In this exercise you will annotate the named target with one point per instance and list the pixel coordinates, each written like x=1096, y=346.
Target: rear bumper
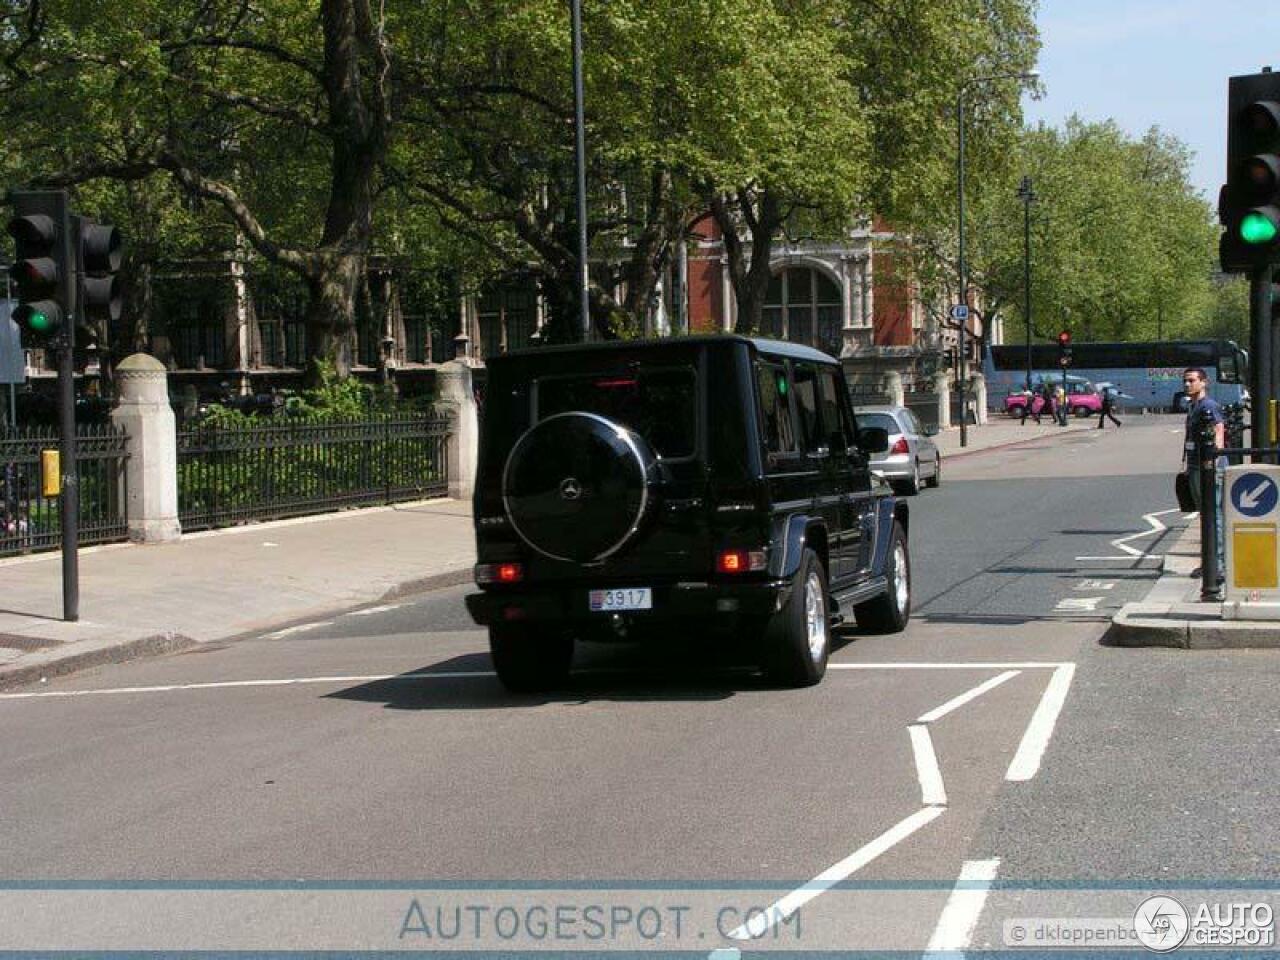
x=899, y=466
x=727, y=603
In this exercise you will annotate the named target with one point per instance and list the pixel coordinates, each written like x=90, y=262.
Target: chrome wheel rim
x=901, y=585
x=815, y=616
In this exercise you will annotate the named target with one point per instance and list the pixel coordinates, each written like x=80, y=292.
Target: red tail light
x=740, y=561
x=900, y=446
x=499, y=572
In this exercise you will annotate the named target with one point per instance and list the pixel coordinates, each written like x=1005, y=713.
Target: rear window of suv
x=659, y=404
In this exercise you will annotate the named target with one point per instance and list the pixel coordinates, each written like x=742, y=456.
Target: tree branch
x=193, y=182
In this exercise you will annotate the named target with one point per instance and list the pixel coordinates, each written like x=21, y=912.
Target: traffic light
x=1064, y=348
x=98, y=258
x=42, y=268
x=1249, y=202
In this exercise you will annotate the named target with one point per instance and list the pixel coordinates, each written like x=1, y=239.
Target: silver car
x=912, y=457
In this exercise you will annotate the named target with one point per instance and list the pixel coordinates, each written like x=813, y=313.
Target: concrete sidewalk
x=137, y=600
x=1173, y=615
x=141, y=599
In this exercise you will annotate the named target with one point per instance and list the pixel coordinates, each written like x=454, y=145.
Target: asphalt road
x=996, y=731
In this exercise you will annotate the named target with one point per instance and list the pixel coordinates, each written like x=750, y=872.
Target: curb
x=53, y=664
x=1166, y=618
x=1007, y=444
x=100, y=652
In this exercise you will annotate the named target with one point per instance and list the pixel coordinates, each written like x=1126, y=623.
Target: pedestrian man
x=1109, y=395
x=1028, y=404
x=1201, y=406
x=1047, y=408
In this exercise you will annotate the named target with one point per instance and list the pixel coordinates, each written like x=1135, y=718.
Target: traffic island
x=1172, y=614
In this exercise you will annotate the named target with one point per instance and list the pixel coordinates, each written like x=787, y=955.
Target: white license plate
x=624, y=598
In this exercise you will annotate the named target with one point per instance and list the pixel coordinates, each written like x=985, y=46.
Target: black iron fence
x=30, y=521
x=284, y=468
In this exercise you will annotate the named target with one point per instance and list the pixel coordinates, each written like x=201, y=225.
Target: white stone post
x=458, y=403
x=979, y=396
x=893, y=387
x=942, y=387
x=151, y=472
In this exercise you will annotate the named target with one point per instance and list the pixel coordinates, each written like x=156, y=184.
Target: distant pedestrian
x=1108, y=403
x=1047, y=407
x=1028, y=404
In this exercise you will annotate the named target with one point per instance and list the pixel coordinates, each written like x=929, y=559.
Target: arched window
x=804, y=306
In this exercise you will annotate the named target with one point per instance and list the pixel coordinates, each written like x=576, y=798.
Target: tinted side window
x=805, y=377
x=839, y=433
x=775, y=405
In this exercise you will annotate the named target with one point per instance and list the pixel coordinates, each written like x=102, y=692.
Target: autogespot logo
x=1161, y=923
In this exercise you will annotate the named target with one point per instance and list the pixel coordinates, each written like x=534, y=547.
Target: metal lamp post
x=1028, y=197
x=580, y=162
x=964, y=275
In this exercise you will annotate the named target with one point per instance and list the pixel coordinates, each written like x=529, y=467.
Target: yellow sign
x=50, y=473
x=1253, y=551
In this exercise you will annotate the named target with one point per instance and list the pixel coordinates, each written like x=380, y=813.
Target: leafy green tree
x=277, y=117
x=1122, y=246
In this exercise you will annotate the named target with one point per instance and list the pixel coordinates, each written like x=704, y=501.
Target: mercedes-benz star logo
x=570, y=489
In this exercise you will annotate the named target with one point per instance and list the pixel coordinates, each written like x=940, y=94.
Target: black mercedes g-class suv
x=689, y=487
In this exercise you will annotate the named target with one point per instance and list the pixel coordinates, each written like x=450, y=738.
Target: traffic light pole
x=1263, y=338
x=70, y=482
x=70, y=505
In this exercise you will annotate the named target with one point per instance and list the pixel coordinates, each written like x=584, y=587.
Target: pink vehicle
x=1083, y=400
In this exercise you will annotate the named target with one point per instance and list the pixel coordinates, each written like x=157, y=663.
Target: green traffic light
x=40, y=322
x=1257, y=228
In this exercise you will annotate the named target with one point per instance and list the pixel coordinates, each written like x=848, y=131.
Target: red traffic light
x=1064, y=338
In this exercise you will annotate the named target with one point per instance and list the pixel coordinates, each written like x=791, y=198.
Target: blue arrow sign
x=1254, y=494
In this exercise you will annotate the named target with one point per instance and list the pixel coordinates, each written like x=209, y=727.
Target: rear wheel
x=1082, y=411
x=798, y=638
x=530, y=659
x=910, y=486
x=889, y=612
x=1017, y=411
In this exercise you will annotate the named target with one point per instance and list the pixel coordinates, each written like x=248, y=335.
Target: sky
x=1145, y=63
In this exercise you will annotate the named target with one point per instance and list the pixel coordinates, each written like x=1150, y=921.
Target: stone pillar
x=942, y=387
x=144, y=413
x=458, y=403
x=979, y=383
x=893, y=387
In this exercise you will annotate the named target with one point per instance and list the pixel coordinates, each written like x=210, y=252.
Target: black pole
x=1206, y=455
x=964, y=277
x=1028, y=197
x=70, y=498
x=1262, y=342
x=580, y=161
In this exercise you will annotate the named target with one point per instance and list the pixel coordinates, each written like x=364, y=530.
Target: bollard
x=1206, y=456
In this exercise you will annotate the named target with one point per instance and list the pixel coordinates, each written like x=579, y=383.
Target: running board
x=843, y=602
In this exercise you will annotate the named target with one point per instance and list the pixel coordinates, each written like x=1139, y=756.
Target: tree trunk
x=330, y=312
x=763, y=218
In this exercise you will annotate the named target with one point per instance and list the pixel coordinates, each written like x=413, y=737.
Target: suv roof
x=783, y=348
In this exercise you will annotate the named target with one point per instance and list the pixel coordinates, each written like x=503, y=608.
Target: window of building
x=507, y=316
x=804, y=306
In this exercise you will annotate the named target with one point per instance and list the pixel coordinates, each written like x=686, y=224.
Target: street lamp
x=964, y=276
x=580, y=165
x=1028, y=197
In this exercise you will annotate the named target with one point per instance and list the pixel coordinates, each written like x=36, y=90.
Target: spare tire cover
x=577, y=486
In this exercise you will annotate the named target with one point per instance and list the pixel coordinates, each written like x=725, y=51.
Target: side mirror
x=931, y=430
x=873, y=440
